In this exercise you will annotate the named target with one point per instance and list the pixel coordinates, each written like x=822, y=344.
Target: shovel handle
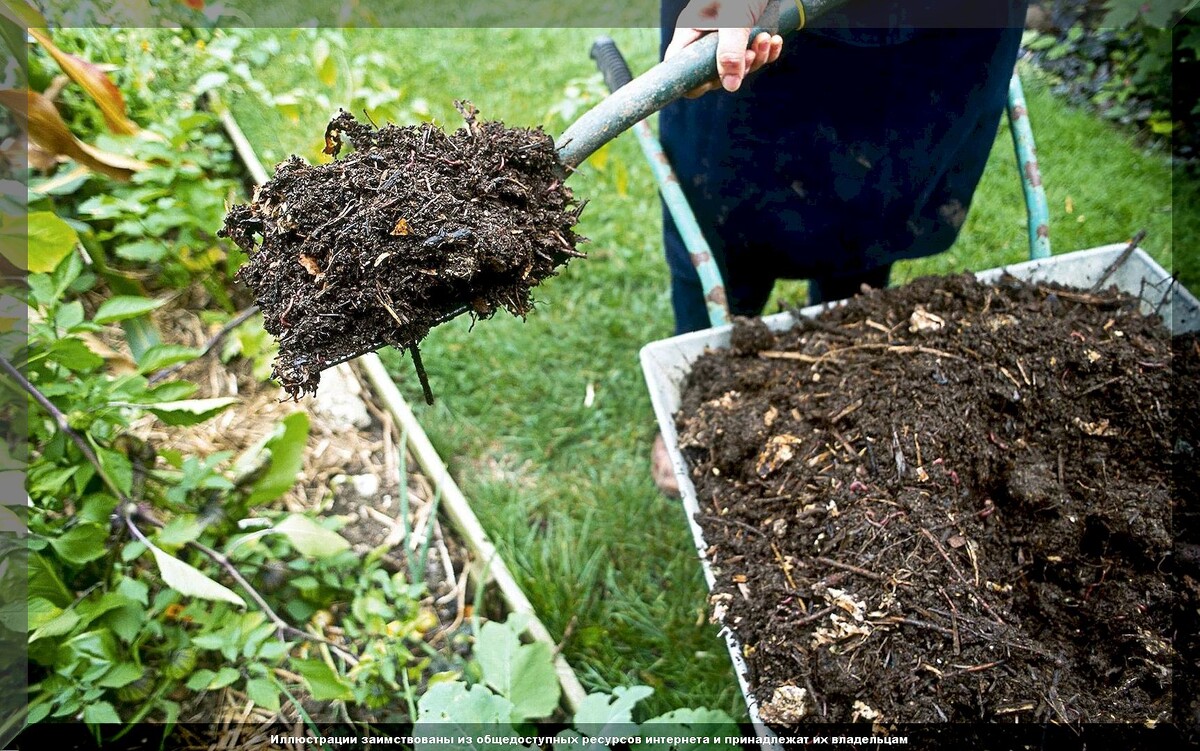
x=665, y=83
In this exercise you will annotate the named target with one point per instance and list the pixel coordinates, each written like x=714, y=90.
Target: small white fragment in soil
x=863, y=712
x=922, y=320
x=720, y=607
x=364, y=486
x=788, y=704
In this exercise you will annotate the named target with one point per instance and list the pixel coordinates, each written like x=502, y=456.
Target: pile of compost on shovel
x=410, y=229
x=952, y=502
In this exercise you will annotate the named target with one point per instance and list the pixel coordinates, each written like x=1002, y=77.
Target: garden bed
x=945, y=502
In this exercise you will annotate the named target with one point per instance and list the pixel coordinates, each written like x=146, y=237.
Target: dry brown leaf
x=310, y=265
x=96, y=84
x=40, y=120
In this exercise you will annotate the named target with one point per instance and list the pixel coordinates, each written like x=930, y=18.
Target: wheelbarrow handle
x=665, y=83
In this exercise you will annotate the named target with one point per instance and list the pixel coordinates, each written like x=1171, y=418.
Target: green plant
x=1134, y=62
x=156, y=574
x=518, y=685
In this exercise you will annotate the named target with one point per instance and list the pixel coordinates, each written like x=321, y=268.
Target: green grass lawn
x=564, y=488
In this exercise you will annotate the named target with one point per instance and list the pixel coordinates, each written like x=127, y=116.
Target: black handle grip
x=611, y=63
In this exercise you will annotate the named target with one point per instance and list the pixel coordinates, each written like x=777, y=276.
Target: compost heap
x=952, y=502
x=410, y=229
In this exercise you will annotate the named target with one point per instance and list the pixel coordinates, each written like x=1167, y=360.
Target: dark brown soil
x=951, y=502
x=412, y=228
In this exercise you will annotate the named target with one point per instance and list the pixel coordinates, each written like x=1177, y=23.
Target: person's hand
x=733, y=21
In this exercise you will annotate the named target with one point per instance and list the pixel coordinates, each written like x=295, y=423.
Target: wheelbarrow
x=666, y=363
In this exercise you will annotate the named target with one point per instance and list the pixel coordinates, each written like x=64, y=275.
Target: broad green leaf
x=125, y=306
x=224, y=677
x=690, y=723
x=83, y=543
x=50, y=240
x=122, y=674
x=74, y=355
x=144, y=251
x=135, y=590
x=522, y=673
x=179, y=531
x=41, y=611
x=166, y=355
x=310, y=538
x=45, y=582
x=172, y=391
x=287, y=455
x=323, y=683
x=126, y=621
x=59, y=625
x=453, y=709
x=264, y=693
x=100, y=713
x=95, y=606
x=190, y=411
x=603, y=715
x=117, y=468
x=199, y=680
x=605, y=709
x=190, y=581
x=140, y=335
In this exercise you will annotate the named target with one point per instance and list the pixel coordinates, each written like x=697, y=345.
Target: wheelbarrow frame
x=616, y=74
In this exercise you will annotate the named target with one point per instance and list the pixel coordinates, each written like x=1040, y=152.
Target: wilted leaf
x=191, y=581
x=96, y=84
x=37, y=117
x=310, y=538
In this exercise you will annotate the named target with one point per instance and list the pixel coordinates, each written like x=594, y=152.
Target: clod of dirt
x=955, y=502
x=413, y=227
x=750, y=336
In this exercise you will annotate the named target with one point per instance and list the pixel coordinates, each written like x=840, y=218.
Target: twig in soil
x=814, y=617
x=953, y=621
x=1121, y=259
x=961, y=577
x=849, y=567
x=771, y=354
x=733, y=522
x=784, y=567
x=916, y=623
x=208, y=347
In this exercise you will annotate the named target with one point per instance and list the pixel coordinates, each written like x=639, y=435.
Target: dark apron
x=860, y=146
